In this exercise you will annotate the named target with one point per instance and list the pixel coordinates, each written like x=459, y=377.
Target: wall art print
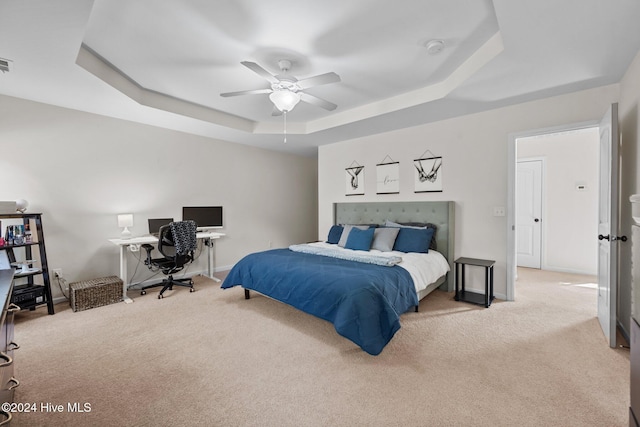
x=354, y=181
x=388, y=178
x=428, y=174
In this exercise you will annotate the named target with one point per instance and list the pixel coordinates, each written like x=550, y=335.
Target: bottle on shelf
x=27, y=233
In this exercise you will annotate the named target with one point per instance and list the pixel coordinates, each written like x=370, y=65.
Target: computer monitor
x=206, y=217
x=156, y=223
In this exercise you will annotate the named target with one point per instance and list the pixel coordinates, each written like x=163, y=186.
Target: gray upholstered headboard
x=441, y=214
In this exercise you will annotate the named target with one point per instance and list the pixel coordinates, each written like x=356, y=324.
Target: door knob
x=536, y=220
x=601, y=237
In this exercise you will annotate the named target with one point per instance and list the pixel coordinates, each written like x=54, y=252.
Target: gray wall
x=81, y=170
x=474, y=152
x=629, y=116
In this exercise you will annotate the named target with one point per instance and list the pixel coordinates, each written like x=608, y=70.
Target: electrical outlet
x=499, y=211
x=57, y=272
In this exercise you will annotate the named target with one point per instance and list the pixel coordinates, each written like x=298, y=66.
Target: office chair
x=177, y=243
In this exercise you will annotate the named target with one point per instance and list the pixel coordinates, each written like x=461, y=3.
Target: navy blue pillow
x=360, y=240
x=413, y=240
x=334, y=234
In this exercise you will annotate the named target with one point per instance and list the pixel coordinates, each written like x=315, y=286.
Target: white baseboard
x=569, y=270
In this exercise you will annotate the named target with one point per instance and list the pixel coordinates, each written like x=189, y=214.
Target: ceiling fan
x=286, y=91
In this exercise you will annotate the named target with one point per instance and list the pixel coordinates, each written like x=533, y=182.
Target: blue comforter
x=363, y=301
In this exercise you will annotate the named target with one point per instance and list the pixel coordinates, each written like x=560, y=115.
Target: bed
x=362, y=292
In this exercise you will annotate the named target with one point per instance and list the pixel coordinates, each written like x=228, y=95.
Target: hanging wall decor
x=388, y=176
x=354, y=180
x=428, y=173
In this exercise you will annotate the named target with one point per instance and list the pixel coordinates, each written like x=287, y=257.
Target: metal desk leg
x=211, y=261
x=123, y=273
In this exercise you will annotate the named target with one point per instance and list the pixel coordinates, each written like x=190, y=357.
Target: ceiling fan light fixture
x=284, y=99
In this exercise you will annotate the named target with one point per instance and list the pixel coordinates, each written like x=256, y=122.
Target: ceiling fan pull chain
x=285, y=126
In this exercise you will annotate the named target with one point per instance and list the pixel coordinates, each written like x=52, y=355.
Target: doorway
x=564, y=237
x=529, y=173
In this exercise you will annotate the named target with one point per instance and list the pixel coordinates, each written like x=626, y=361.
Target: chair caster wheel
x=143, y=292
x=160, y=296
x=191, y=290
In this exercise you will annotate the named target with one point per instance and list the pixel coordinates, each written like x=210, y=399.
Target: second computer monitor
x=206, y=217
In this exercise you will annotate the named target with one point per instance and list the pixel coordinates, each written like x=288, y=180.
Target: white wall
x=474, y=151
x=629, y=115
x=570, y=217
x=82, y=169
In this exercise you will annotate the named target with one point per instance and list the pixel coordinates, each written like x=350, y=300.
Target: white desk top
x=140, y=240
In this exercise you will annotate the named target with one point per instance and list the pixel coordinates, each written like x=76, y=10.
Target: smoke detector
x=434, y=46
x=4, y=64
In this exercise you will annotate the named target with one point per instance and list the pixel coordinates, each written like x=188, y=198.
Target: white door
x=608, y=225
x=529, y=213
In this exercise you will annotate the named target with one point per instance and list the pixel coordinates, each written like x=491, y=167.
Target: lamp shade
x=284, y=99
x=125, y=220
x=21, y=205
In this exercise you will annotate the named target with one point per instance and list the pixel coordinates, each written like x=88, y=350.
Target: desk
x=208, y=237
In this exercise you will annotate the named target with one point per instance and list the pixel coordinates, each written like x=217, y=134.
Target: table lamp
x=125, y=221
x=21, y=205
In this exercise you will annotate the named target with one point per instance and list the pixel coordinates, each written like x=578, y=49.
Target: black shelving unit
x=29, y=295
x=474, y=297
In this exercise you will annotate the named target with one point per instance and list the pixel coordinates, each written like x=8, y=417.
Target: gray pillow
x=345, y=233
x=384, y=238
x=388, y=223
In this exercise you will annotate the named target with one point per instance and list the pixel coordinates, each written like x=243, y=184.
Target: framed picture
x=428, y=174
x=388, y=178
x=354, y=181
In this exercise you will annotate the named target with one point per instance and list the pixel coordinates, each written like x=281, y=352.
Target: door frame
x=512, y=158
x=607, y=306
x=543, y=203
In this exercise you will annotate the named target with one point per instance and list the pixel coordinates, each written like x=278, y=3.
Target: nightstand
x=474, y=297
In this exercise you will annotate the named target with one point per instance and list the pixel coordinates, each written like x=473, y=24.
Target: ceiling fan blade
x=246, y=92
x=260, y=71
x=318, y=80
x=314, y=100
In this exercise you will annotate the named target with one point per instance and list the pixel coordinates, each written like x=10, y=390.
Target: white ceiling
x=166, y=63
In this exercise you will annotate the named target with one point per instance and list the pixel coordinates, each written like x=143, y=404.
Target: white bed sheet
x=423, y=268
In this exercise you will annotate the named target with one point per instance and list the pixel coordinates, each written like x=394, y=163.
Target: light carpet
x=212, y=358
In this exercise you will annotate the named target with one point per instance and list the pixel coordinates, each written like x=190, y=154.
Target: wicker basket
x=95, y=293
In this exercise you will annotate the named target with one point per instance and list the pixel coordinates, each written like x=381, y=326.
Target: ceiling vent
x=4, y=64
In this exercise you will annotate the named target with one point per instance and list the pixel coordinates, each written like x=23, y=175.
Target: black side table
x=474, y=297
